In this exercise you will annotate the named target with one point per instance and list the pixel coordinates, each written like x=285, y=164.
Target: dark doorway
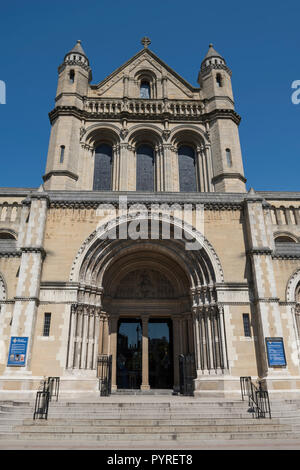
x=160, y=353
x=129, y=353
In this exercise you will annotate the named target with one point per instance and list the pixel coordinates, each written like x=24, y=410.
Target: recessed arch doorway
x=147, y=299
x=147, y=281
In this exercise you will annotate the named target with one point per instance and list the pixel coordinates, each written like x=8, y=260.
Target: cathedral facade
x=143, y=244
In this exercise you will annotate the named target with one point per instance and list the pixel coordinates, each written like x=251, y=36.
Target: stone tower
x=216, y=91
x=74, y=75
x=145, y=93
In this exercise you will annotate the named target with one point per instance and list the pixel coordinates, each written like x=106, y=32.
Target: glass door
x=129, y=353
x=160, y=353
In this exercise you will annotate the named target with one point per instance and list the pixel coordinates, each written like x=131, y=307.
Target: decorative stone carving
x=145, y=284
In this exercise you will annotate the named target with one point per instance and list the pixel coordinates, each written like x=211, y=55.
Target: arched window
x=219, y=80
x=297, y=309
x=187, y=169
x=228, y=157
x=145, y=90
x=103, y=168
x=62, y=153
x=145, y=168
x=72, y=76
x=284, y=239
x=6, y=236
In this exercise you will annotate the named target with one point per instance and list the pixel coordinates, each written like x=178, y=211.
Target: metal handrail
x=104, y=370
x=258, y=399
x=49, y=389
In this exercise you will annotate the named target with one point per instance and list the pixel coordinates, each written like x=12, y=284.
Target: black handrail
x=187, y=374
x=258, y=399
x=50, y=389
x=104, y=370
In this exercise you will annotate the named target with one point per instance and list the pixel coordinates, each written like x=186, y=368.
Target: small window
x=72, y=76
x=62, y=153
x=219, y=80
x=47, y=321
x=228, y=157
x=246, y=322
x=145, y=90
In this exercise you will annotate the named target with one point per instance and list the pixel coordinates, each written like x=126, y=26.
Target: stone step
x=148, y=429
x=147, y=422
x=155, y=437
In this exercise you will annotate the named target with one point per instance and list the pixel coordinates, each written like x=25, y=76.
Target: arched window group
x=190, y=175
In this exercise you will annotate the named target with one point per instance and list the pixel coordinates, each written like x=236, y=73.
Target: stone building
x=143, y=243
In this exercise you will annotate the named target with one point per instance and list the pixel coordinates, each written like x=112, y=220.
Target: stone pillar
x=265, y=297
x=116, y=168
x=176, y=350
x=113, y=331
x=28, y=287
x=125, y=158
x=164, y=81
x=167, y=168
x=209, y=168
x=145, y=355
x=201, y=176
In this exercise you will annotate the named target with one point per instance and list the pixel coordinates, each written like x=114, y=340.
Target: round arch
x=201, y=262
x=101, y=133
x=292, y=285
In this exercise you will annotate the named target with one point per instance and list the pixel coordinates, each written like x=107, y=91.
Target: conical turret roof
x=212, y=53
x=78, y=48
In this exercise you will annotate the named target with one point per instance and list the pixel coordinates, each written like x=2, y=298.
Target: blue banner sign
x=17, y=351
x=275, y=350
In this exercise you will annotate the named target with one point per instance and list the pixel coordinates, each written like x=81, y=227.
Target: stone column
x=71, y=344
x=201, y=178
x=113, y=330
x=145, y=355
x=176, y=350
x=209, y=168
x=167, y=168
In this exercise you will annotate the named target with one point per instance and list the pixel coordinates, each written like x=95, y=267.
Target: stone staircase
x=147, y=421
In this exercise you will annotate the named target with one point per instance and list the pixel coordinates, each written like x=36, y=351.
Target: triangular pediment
x=144, y=60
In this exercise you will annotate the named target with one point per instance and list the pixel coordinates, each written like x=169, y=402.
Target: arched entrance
x=149, y=300
x=146, y=296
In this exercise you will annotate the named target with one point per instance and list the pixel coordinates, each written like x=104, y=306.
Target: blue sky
x=259, y=40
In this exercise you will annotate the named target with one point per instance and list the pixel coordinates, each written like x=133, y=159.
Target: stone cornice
x=67, y=173
x=10, y=254
x=222, y=176
x=264, y=250
x=276, y=255
x=33, y=249
x=94, y=199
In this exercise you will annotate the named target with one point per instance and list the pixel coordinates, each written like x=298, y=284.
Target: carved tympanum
x=145, y=283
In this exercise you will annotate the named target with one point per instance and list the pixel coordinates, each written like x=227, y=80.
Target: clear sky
x=259, y=40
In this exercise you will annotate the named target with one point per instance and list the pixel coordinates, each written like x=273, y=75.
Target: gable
x=147, y=63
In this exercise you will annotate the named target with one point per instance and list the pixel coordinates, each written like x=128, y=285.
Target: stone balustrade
x=10, y=213
x=140, y=107
x=285, y=215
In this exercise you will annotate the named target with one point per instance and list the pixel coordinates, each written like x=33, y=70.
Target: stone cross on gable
x=145, y=41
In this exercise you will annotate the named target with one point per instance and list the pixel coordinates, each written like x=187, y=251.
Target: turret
x=74, y=75
x=216, y=92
